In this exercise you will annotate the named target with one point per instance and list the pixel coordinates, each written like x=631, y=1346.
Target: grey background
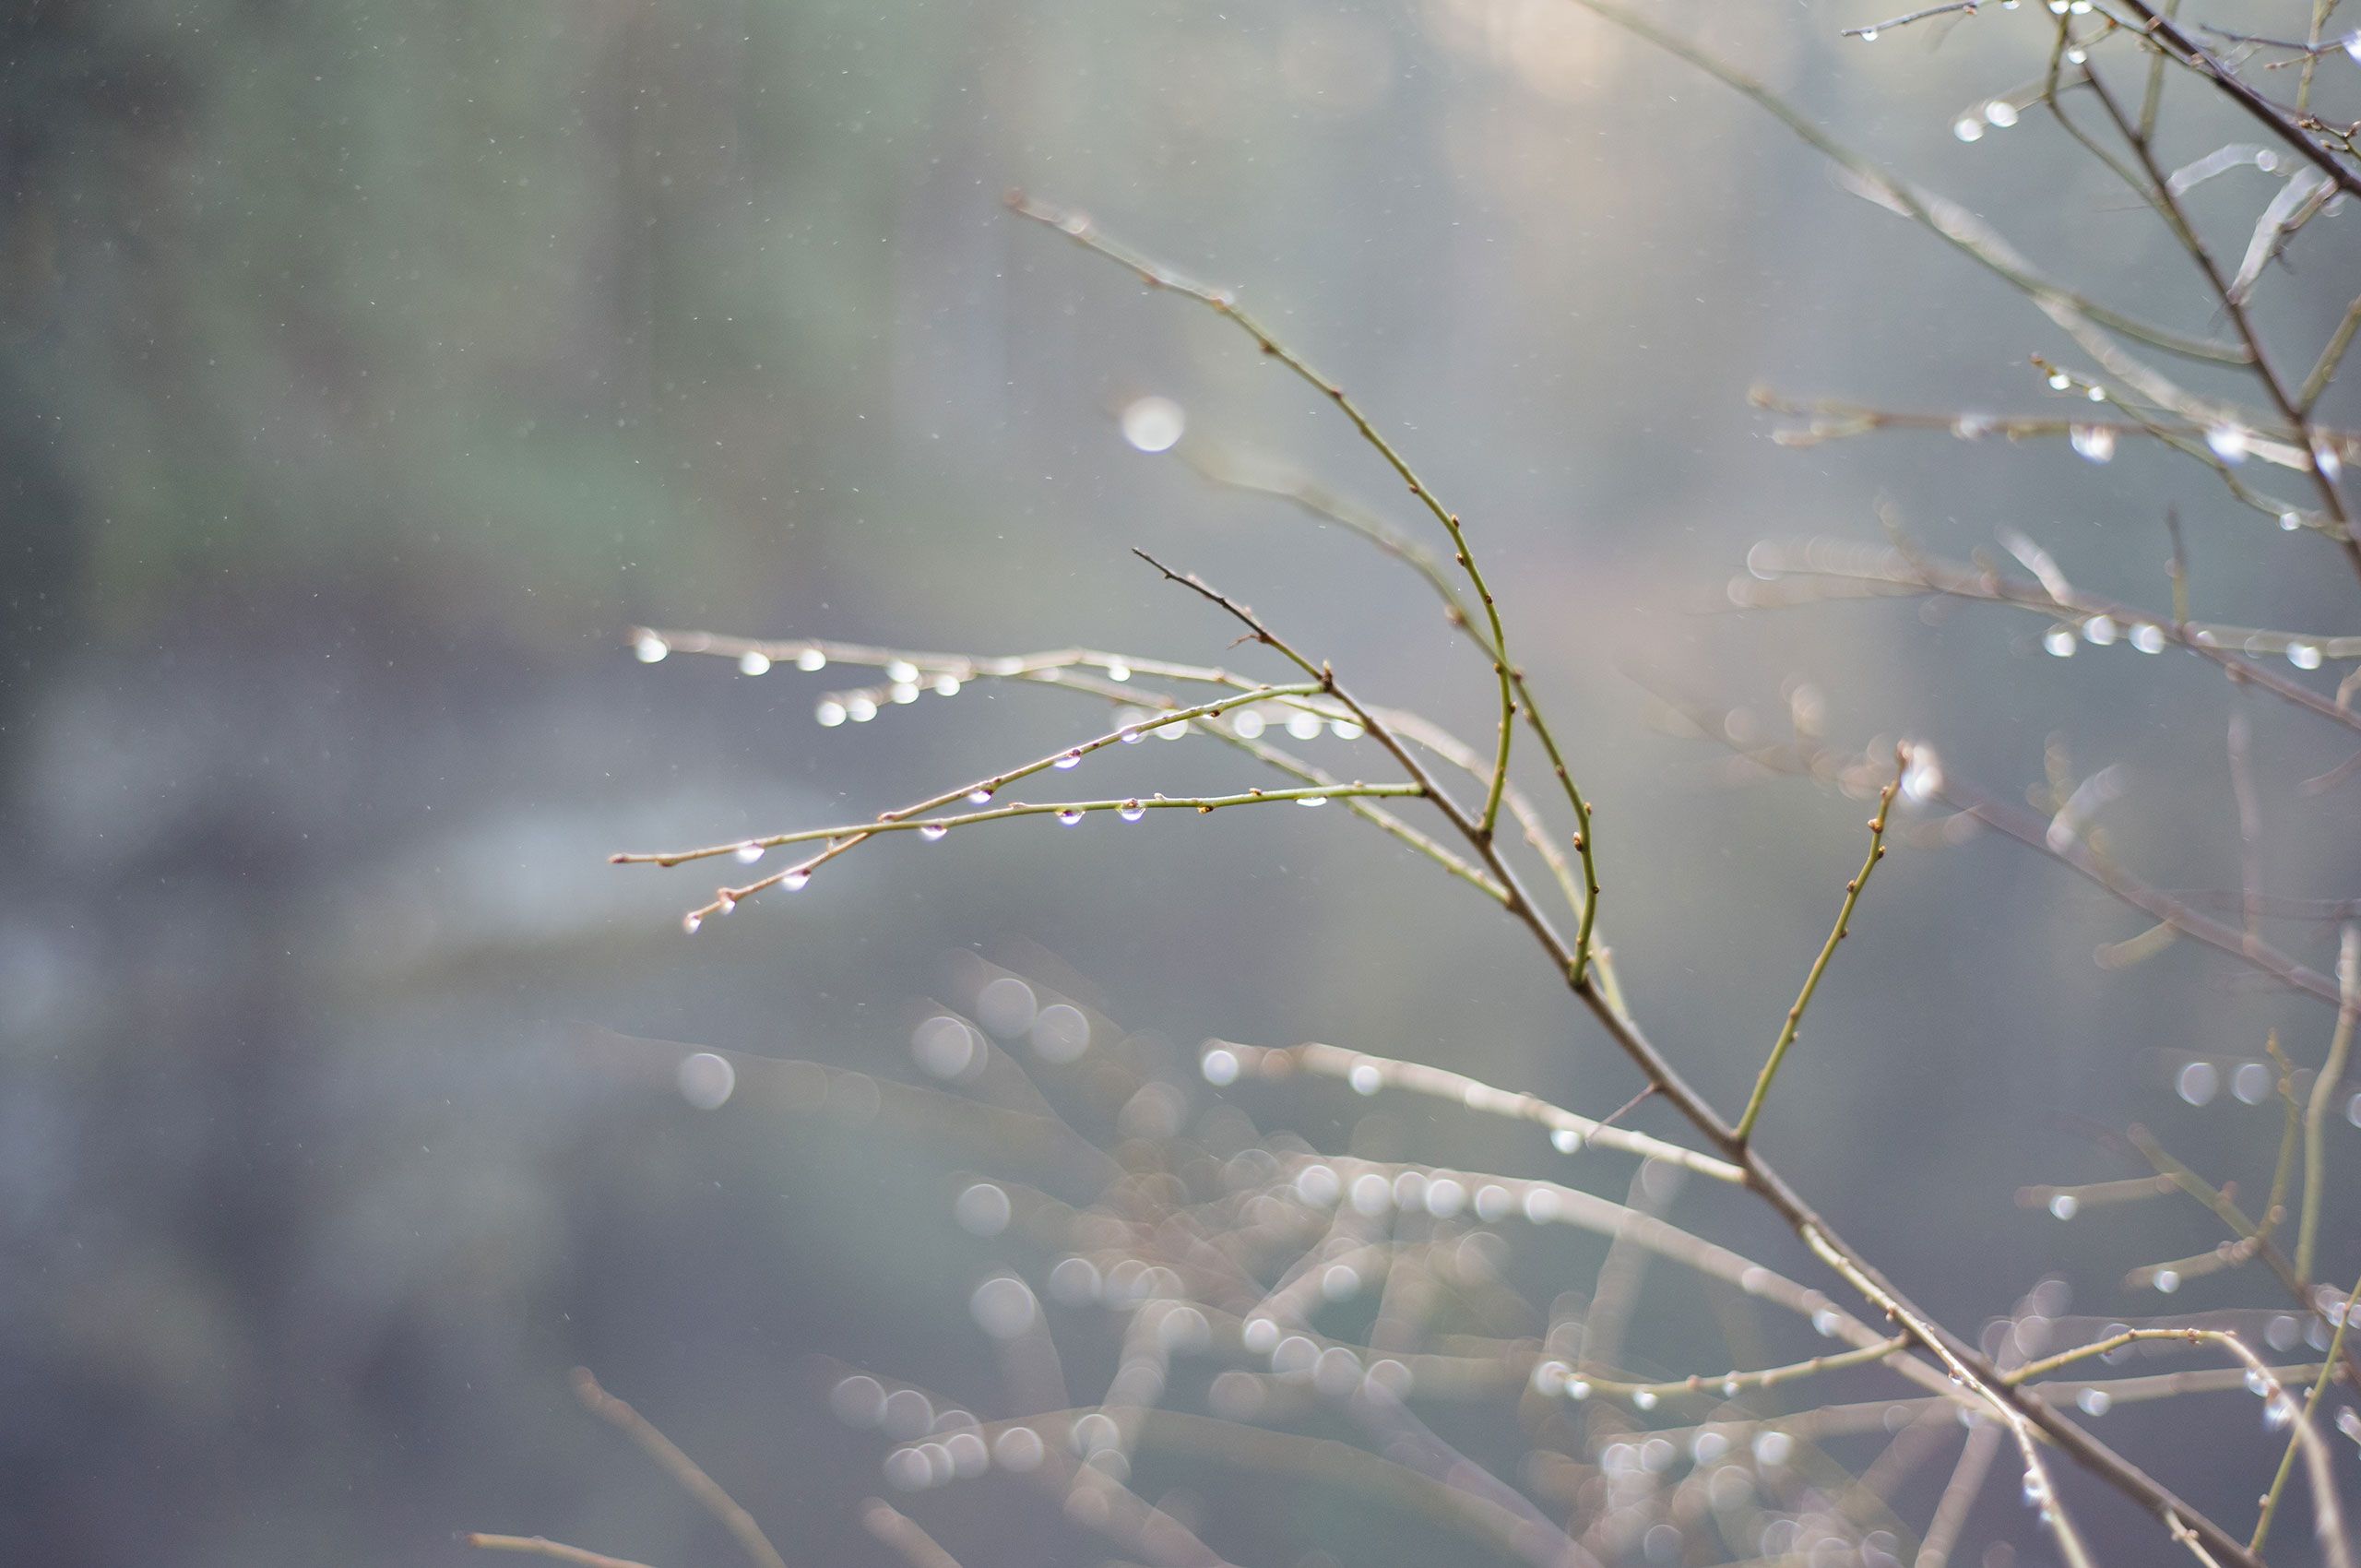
x=369, y=370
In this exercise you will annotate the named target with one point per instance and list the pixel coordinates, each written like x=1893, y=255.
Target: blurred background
x=370, y=371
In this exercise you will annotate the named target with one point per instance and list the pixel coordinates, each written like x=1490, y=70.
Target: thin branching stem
x=2325, y=1497
x=1795, y=1019
x=542, y=1545
x=2323, y=1095
x=680, y=1467
x=1078, y=228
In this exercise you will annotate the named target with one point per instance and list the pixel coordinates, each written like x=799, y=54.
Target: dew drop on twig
x=933, y=832
x=1153, y=424
x=810, y=660
x=748, y=852
x=2095, y=442
x=1069, y=818
x=753, y=661
x=1132, y=810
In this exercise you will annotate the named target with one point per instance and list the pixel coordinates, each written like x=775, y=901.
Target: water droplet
x=1922, y=780
x=1131, y=810
x=1069, y=818
x=861, y=709
x=2064, y=1205
x=946, y=685
x=2290, y=521
x=901, y=671
x=2060, y=381
x=2250, y=1084
x=2168, y=1281
x=1566, y=1140
x=1549, y=1378
x=810, y=660
x=2352, y=1111
x=1304, y=725
x=2078, y=55
x=1154, y=425
x=1968, y=127
x=2036, y=1491
x=749, y=852
x=830, y=713
x=2198, y=1082
x=905, y=692
x=2099, y=631
x=1729, y=1388
x=1247, y=724
x=1061, y=1033
x=2094, y=1401
x=2282, y=1332
x=1577, y=1389
x=1072, y=759
x=1220, y=1067
x=1968, y=427
x=2095, y=442
x=1175, y=731
x=859, y=1401
x=2228, y=443
x=1003, y=1307
x=1644, y=1399
x=2325, y=459
x=933, y=832
x=2001, y=113
x=1773, y=1447
x=1018, y=1449
x=753, y=661
x=1118, y=670
x=1825, y=1323
x=2278, y=1413
x=1365, y=1078
x=2304, y=656
x=2148, y=638
x=706, y=1080
x=1345, y=729
x=982, y=1210
x=2353, y=47
x=795, y=881
x=945, y=1044
x=651, y=649
x=2059, y=642
x=979, y=797
x=1867, y=35
x=689, y=922
x=1311, y=800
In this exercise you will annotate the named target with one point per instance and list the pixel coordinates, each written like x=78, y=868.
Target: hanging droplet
x=1132, y=810
x=2148, y=638
x=651, y=649
x=2099, y=631
x=2064, y=1205
x=1247, y=724
x=1072, y=759
x=860, y=710
x=1566, y=1140
x=979, y=797
x=810, y=660
x=2095, y=442
x=2094, y=1401
x=1118, y=670
x=689, y=923
x=2168, y=1281
x=1576, y=1389
x=2059, y=642
x=1968, y=127
x=749, y=852
x=1867, y=35
x=933, y=832
x=901, y=671
x=1345, y=729
x=1154, y=425
x=905, y=692
x=1311, y=800
x=830, y=713
x=795, y=881
x=1069, y=818
x=1303, y=725
x=1729, y=1388
x=2304, y=656
x=2001, y=113
x=2060, y=381
x=946, y=685
x=1644, y=1399
x=2228, y=443
x=2290, y=521
x=753, y=661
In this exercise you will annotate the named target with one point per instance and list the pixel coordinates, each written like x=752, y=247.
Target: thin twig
x=542, y=1545
x=684, y=1469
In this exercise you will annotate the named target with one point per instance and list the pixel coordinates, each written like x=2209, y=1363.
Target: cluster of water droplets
x=2103, y=631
